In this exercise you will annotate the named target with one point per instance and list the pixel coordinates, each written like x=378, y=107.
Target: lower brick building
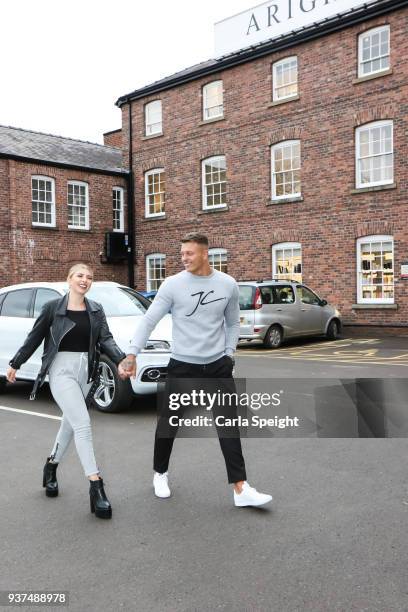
x=291, y=156
x=59, y=198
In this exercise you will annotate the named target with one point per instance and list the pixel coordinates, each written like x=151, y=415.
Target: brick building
x=291, y=155
x=59, y=197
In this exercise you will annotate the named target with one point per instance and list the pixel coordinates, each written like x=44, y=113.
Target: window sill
x=213, y=210
x=285, y=201
x=53, y=228
x=375, y=188
x=284, y=100
x=154, y=218
x=374, y=306
x=370, y=77
x=153, y=136
x=79, y=229
x=214, y=120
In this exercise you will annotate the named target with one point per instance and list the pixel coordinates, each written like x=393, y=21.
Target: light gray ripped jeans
x=68, y=376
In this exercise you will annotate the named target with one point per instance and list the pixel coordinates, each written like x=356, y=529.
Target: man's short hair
x=196, y=237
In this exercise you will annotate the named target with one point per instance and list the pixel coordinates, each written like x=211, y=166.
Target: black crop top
x=77, y=339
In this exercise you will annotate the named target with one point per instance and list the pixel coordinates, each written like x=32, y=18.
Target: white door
x=15, y=323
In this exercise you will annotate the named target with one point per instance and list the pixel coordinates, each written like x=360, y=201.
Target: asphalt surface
x=333, y=539
x=349, y=357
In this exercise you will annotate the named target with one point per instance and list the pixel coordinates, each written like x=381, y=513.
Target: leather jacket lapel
x=61, y=324
x=92, y=308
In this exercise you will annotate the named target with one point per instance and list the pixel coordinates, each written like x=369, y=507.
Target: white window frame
x=206, y=108
x=204, y=185
x=121, y=209
x=81, y=184
x=147, y=174
x=370, y=239
x=40, y=177
x=152, y=129
x=275, y=88
x=369, y=33
x=282, y=246
x=148, y=279
x=281, y=145
x=212, y=253
x=359, y=130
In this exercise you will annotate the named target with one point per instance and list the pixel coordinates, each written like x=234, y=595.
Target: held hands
x=11, y=375
x=127, y=367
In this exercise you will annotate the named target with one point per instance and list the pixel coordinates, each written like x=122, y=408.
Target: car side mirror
x=323, y=302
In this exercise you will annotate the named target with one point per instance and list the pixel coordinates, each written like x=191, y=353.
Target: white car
x=20, y=305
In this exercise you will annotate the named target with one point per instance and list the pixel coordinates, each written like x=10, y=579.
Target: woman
x=73, y=329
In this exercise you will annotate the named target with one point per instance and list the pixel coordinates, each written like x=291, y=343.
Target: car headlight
x=156, y=345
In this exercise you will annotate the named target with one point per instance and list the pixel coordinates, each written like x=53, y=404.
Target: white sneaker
x=161, y=485
x=250, y=497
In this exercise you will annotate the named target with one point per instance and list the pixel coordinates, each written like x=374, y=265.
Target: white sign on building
x=274, y=18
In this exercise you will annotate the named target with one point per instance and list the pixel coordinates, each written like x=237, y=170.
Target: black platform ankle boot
x=50, y=478
x=99, y=502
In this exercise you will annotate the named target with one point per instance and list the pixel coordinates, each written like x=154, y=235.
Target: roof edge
x=63, y=165
x=323, y=28
x=111, y=132
x=87, y=142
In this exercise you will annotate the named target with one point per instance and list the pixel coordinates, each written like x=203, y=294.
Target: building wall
x=5, y=255
x=45, y=254
x=330, y=217
x=113, y=139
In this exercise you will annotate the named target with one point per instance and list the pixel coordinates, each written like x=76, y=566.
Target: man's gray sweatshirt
x=205, y=314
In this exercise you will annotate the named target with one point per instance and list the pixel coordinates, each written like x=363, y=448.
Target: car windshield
x=119, y=301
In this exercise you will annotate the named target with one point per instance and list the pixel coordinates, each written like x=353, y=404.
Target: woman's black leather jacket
x=51, y=326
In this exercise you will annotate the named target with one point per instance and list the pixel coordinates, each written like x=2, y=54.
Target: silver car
x=21, y=304
x=274, y=310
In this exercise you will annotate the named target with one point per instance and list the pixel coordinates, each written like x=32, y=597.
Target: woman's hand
x=130, y=366
x=11, y=375
x=127, y=367
x=121, y=370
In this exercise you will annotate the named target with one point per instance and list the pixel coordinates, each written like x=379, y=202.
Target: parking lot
x=373, y=357
x=334, y=538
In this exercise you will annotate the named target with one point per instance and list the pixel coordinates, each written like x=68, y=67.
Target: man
x=204, y=304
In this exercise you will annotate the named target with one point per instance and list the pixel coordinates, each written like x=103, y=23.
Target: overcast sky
x=65, y=62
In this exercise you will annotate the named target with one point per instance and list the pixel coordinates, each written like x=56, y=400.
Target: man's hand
x=11, y=375
x=130, y=366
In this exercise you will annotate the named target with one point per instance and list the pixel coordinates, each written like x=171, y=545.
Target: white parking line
x=40, y=414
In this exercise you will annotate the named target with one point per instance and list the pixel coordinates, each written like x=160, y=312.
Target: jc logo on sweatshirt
x=203, y=301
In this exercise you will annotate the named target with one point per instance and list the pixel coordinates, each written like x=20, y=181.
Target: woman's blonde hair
x=76, y=267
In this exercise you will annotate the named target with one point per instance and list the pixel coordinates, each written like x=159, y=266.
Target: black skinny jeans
x=220, y=373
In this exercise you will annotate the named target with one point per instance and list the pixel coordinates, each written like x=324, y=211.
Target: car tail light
x=257, y=299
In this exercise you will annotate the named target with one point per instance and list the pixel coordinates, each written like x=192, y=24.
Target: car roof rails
x=277, y=280
x=268, y=280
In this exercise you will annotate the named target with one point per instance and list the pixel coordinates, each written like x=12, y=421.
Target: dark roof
x=321, y=28
x=26, y=145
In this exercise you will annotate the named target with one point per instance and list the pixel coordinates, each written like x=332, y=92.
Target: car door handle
x=279, y=310
x=304, y=309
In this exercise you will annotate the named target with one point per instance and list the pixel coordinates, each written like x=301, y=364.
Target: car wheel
x=333, y=330
x=112, y=394
x=274, y=337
